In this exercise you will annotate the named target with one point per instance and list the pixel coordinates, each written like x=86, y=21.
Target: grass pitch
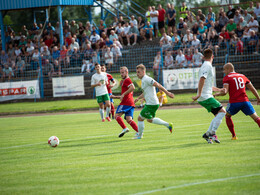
x=91, y=159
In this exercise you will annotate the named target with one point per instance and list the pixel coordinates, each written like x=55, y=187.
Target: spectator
x=95, y=58
x=46, y=67
x=239, y=31
x=217, y=27
x=187, y=40
x=140, y=23
x=94, y=39
x=242, y=23
x=246, y=16
x=184, y=11
x=161, y=18
x=66, y=26
x=188, y=58
x=102, y=27
x=22, y=42
x=121, y=20
x=147, y=31
x=211, y=13
x=180, y=59
x=239, y=47
x=201, y=15
x=112, y=35
x=165, y=42
x=20, y=66
x=55, y=53
x=197, y=58
x=75, y=57
x=257, y=11
x=184, y=30
x=202, y=29
x=204, y=42
x=233, y=43
x=55, y=69
x=190, y=22
x=87, y=66
x=88, y=52
x=132, y=33
x=17, y=51
x=3, y=57
x=223, y=20
x=195, y=29
x=81, y=30
x=154, y=20
x=50, y=28
x=64, y=57
x=147, y=14
x=231, y=27
x=251, y=8
x=119, y=29
x=237, y=17
x=168, y=60
x=57, y=29
x=124, y=33
x=253, y=24
x=171, y=19
x=195, y=43
x=231, y=12
x=109, y=58
x=180, y=26
x=156, y=62
x=74, y=44
x=29, y=52
x=24, y=31
x=246, y=36
x=35, y=59
x=10, y=51
x=209, y=21
x=116, y=52
x=253, y=43
x=108, y=42
x=73, y=27
x=198, y=20
x=223, y=37
x=7, y=72
x=133, y=20
x=49, y=41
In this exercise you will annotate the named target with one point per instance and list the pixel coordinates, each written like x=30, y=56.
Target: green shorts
x=149, y=111
x=102, y=98
x=211, y=105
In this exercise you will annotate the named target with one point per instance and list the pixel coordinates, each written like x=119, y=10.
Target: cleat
x=108, y=119
x=103, y=120
x=234, y=138
x=215, y=138
x=137, y=136
x=113, y=117
x=170, y=127
x=207, y=138
x=123, y=132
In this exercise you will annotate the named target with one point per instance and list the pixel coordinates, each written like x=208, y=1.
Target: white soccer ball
x=53, y=141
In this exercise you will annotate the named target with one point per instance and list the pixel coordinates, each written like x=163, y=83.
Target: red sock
x=258, y=121
x=133, y=125
x=112, y=109
x=120, y=122
x=230, y=125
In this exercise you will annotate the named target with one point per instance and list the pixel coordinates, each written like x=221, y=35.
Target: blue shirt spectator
x=55, y=53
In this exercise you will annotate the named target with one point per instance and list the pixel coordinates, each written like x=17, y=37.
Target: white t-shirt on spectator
x=154, y=19
x=111, y=37
x=110, y=59
x=134, y=22
x=75, y=44
x=17, y=52
x=94, y=39
x=254, y=23
x=195, y=43
x=166, y=40
x=197, y=58
x=180, y=58
x=30, y=49
x=257, y=11
x=126, y=29
x=116, y=51
x=185, y=38
x=119, y=30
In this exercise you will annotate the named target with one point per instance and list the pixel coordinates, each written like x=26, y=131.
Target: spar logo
x=17, y=91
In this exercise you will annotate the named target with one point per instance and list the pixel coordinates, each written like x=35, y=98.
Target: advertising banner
x=68, y=86
x=183, y=78
x=19, y=90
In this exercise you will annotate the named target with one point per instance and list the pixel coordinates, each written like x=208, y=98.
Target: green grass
x=91, y=159
x=65, y=105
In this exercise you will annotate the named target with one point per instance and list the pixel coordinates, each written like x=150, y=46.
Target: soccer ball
x=53, y=141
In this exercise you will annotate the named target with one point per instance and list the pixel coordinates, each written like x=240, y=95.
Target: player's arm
x=159, y=86
x=200, y=87
x=223, y=91
x=251, y=87
x=129, y=90
x=113, y=84
x=97, y=84
x=140, y=97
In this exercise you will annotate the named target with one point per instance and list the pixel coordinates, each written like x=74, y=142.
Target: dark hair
x=208, y=53
x=96, y=64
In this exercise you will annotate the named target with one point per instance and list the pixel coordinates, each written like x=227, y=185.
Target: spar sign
x=19, y=90
x=183, y=78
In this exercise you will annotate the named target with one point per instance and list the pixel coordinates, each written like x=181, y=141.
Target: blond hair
x=141, y=66
x=124, y=67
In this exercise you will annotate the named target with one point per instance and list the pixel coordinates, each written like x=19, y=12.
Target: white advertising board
x=19, y=90
x=183, y=78
x=68, y=86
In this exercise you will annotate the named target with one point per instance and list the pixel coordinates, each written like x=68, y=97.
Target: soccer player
x=152, y=102
x=235, y=84
x=99, y=81
x=206, y=99
x=109, y=88
x=127, y=105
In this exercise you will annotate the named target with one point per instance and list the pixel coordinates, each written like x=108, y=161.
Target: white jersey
x=149, y=91
x=102, y=77
x=206, y=71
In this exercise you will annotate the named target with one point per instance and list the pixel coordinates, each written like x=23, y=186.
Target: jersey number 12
x=239, y=83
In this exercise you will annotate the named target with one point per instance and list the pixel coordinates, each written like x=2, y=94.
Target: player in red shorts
x=109, y=86
x=234, y=84
x=127, y=104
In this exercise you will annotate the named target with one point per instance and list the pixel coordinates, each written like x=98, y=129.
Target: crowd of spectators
x=182, y=40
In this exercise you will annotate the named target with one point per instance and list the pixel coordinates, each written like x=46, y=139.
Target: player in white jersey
x=152, y=102
x=206, y=99
x=99, y=81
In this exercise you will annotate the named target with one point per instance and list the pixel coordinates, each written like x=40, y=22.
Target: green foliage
x=8, y=20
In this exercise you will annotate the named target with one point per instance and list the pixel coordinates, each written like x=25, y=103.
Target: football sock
x=230, y=125
x=108, y=111
x=101, y=111
x=140, y=127
x=258, y=121
x=217, y=121
x=120, y=122
x=112, y=109
x=209, y=129
x=159, y=121
x=133, y=125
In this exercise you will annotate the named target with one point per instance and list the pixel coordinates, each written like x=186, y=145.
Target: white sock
x=108, y=111
x=101, y=111
x=159, y=121
x=140, y=127
x=210, y=128
x=217, y=121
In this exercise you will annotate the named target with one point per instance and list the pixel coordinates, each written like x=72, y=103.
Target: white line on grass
x=196, y=183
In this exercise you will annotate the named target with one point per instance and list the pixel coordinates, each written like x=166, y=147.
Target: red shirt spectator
x=225, y=35
x=162, y=12
x=48, y=41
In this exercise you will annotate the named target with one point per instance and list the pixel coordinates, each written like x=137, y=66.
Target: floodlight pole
x=2, y=31
x=61, y=27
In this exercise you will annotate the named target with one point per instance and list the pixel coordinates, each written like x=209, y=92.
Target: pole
x=61, y=28
x=2, y=31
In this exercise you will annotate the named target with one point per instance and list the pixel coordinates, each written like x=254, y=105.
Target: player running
x=127, y=105
x=205, y=97
x=99, y=81
x=152, y=102
x=109, y=89
x=234, y=84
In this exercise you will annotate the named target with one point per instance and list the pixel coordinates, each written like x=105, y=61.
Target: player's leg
x=101, y=110
x=106, y=99
x=112, y=111
x=248, y=109
x=216, y=122
x=120, y=121
x=232, y=109
x=140, y=124
x=129, y=115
